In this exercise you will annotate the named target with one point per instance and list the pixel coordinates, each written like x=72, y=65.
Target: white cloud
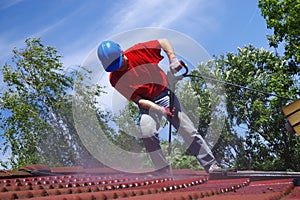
x=179, y=14
x=183, y=16
x=4, y=4
x=148, y=13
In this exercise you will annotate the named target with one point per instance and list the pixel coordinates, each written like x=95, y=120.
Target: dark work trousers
x=150, y=124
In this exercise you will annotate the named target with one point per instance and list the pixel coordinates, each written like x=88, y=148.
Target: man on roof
x=135, y=73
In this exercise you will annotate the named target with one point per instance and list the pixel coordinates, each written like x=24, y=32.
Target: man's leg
x=195, y=143
x=197, y=146
x=149, y=127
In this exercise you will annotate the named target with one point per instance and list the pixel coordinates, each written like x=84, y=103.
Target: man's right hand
x=166, y=111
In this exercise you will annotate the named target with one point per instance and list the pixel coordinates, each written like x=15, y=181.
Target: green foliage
x=283, y=16
x=267, y=143
x=129, y=135
x=253, y=134
x=179, y=158
x=36, y=109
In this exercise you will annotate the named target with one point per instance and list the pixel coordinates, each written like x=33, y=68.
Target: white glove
x=175, y=65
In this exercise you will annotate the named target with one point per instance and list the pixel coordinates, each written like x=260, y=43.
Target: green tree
x=36, y=109
x=267, y=143
x=283, y=17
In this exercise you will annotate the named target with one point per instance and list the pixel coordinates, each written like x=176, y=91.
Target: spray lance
x=172, y=80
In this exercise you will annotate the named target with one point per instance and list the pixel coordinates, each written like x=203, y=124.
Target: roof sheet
x=44, y=183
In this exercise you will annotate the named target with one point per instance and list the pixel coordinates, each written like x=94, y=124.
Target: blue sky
x=76, y=27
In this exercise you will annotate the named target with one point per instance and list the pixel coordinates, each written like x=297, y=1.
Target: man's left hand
x=175, y=65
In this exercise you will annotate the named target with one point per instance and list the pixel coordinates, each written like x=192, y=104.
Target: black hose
x=239, y=86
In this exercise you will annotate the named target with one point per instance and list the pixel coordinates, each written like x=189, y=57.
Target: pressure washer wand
x=172, y=80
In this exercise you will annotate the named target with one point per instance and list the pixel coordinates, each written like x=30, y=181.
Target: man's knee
x=148, y=126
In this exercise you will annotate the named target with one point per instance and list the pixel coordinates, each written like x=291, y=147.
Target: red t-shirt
x=143, y=77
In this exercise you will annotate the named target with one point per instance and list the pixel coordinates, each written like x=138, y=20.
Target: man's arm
x=165, y=44
x=167, y=47
x=149, y=105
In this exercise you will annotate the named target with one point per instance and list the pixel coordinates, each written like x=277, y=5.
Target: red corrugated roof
x=66, y=183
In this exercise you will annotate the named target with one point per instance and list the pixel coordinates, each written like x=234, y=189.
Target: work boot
x=215, y=168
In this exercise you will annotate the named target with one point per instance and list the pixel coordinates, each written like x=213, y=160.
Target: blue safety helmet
x=110, y=55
